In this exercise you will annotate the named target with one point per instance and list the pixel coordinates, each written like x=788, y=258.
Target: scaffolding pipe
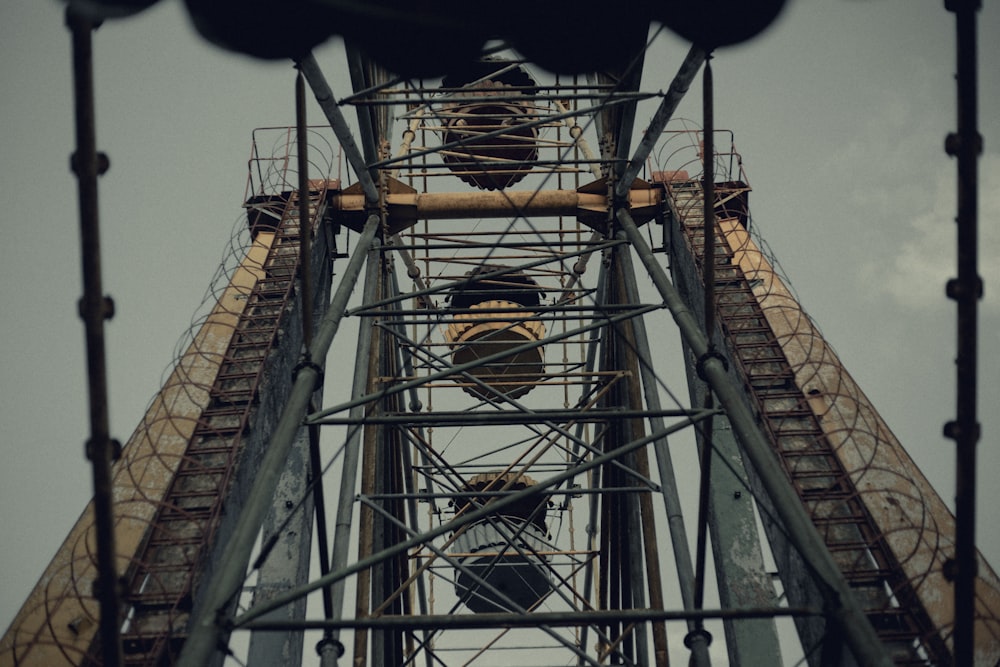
x=550, y=619
x=524, y=415
x=206, y=631
x=593, y=501
x=492, y=275
x=405, y=361
x=319, y=503
x=545, y=120
x=501, y=417
x=843, y=609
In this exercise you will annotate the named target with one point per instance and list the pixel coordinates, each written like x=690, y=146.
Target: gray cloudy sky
x=840, y=113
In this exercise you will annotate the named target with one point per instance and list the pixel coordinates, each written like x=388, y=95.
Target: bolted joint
x=959, y=289
x=954, y=143
x=101, y=163
x=705, y=358
x=309, y=363
x=329, y=644
x=950, y=569
x=698, y=633
x=92, y=451
x=618, y=203
x=107, y=307
x=955, y=431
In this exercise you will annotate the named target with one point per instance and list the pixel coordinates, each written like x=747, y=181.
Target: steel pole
x=665, y=468
x=966, y=290
x=349, y=471
x=206, y=633
x=94, y=308
x=405, y=361
x=843, y=609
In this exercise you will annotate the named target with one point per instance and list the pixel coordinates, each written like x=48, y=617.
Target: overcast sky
x=840, y=113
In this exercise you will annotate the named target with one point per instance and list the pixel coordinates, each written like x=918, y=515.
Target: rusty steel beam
x=408, y=206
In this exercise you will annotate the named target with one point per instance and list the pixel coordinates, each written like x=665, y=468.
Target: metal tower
x=500, y=435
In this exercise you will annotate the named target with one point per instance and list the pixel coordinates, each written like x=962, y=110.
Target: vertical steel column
x=625, y=289
x=405, y=361
x=352, y=458
x=698, y=644
x=966, y=290
x=94, y=307
x=708, y=270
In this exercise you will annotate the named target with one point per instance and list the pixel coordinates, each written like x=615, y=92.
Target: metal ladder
x=806, y=454
x=161, y=582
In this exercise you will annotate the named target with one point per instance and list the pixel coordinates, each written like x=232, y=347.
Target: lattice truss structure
x=503, y=458
x=511, y=378
x=504, y=362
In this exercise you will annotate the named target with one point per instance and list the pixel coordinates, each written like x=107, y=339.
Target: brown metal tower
x=500, y=439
